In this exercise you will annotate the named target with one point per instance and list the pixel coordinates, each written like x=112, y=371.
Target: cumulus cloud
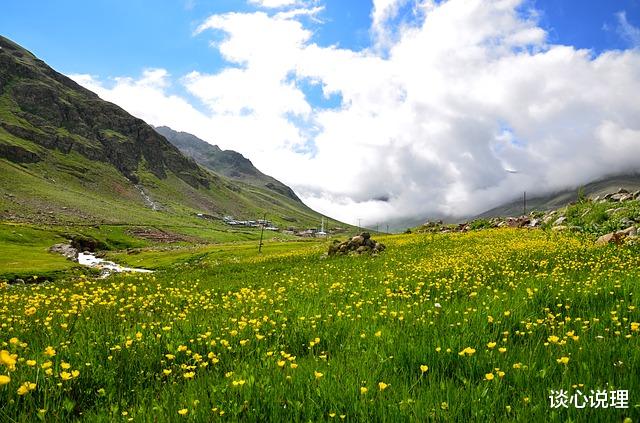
x=467, y=107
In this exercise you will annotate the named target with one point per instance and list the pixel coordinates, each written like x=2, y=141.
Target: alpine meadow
x=318, y=211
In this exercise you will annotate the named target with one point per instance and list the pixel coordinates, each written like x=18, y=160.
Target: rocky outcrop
x=359, y=244
x=66, y=250
x=17, y=154
x=54, y=112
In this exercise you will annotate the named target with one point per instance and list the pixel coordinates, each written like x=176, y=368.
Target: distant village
x=270, y=226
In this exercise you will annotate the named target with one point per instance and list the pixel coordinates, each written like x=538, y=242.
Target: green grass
x=24, y=252
x=375, y=318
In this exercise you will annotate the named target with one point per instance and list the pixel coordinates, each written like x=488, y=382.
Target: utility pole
x=262, y=233
x=387, y=228
x=524, y=204
x=359, y=221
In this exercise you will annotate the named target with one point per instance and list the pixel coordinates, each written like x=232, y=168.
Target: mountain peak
x=228, y=163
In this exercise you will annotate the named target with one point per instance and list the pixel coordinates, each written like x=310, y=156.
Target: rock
x=630, y=231
x=636, y=194
x=66, y=250
x=534, y=223
x=357, y=241
x=618, y=197
x=356, y=245
x=610, y=238
x=622, y=191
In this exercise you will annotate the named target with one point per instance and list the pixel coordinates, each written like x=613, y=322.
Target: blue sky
x=117, y=37
x=428, y=104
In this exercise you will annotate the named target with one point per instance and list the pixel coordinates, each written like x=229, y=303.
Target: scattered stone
x=559, y=228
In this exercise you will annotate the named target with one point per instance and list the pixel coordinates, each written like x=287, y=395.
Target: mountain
x=224, y=162
x=560, y=199
x=69, y=157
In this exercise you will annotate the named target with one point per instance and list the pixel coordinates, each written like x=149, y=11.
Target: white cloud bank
x=428, y=125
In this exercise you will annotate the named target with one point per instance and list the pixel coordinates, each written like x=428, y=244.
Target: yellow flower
x=491, y=345
x=467, y=351
x=294, y=366
x=170, y=356
x=553, y=339
x=501, y=374
x=166, y=372
x=75, y=373
x=30, y=311
x=183, y=412
x=382, y=386
x=563, y=360
x=50, y=351
x=378, y=333
x=182, y=348
x=238, y=382
x=4, y=380
x=502, y=349
x=46, y=365
x=318, y=375
x=635, y=326
x=488, y=376
x=26, y=387
x=65, y=366
x=65, y=375
x=31, y=363
x=189, y=375
x=14, y=341
x=281, y=363
x=7, y=359
x=363, y=390
x=424, y=368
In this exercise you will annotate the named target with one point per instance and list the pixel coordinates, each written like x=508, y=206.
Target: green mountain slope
x=224, y=162
x=560, y=199
x=68, y=157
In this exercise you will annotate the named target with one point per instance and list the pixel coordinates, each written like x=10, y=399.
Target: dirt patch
x=158, y=235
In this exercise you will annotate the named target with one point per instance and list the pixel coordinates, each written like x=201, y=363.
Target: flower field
x=481, y=326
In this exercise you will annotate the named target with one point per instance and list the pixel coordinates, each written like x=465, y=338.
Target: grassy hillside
x=480, y=326
x=560, y=199
x=69, y=158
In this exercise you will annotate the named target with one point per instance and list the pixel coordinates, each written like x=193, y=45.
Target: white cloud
x=274, y=4
x=428, y=127
x=627, y=31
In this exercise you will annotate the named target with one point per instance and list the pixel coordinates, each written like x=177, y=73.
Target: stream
x=107, y=267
